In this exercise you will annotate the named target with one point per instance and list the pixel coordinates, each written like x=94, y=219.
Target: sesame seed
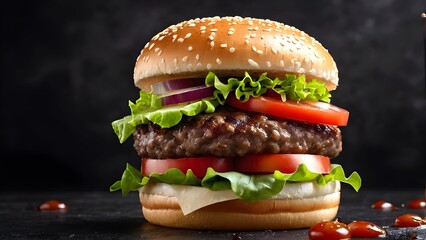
x=247, y=41
x=197, y=57
x=212, y=44
x=211, y=37
x=213, y=30
x=181, y=40
x=253, y=35
x=268, y=64
x=218, y=61
x=174, y=37
x=253, y=48
x=151, y=46
x=188, y=35
x=162, y=60
x=230, y=32
x=259, y=51
x=274, y=50
x=160, y=38
x=159, y=52
x=282, y=63
x=253, y=63
x=202, y=28
x=192, y=25
x=209, y=66
x=185, y=59
x=232, y=50
x=223, y=45
x=156, y=49
x=190, y=48
x=267, y=30
x=175, y=61
x=296, y=63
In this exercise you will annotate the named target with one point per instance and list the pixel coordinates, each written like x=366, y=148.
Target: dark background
x=66, y=74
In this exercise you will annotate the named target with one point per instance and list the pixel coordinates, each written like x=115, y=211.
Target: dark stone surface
x=66, y=74
x=103, y=215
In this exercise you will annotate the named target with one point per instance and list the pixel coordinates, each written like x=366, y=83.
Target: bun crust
x=240, y=215
x=229, y=46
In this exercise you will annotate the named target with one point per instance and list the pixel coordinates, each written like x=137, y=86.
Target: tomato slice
x=285, y=163
x=198, y=165
x=307, y=111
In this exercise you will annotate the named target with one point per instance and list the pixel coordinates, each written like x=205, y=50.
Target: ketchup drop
x=382, y=205
x=53, y=205
x=329, y=230
x=417, y=204
x=365, y=229
x=409, y=220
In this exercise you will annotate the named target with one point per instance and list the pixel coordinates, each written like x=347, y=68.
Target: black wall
x=66, y=74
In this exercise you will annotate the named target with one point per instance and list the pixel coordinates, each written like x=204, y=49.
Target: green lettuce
x=247, y=187
x=291, y=87
x=148, y=107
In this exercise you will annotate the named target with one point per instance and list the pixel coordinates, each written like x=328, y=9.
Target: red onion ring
x=188, y=96
x=170, y=85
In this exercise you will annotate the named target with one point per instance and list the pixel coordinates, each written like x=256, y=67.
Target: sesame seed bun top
x=229, y=46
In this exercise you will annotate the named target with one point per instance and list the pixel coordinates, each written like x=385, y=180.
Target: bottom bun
x=279, y=213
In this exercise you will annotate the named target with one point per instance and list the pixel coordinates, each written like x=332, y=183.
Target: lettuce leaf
x=291, y=87
x=248, y=187
x=148, y=109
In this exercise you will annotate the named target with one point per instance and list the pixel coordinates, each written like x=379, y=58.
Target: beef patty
x=232, y=133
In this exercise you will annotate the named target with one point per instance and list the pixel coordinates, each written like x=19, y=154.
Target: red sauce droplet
x=382, y=205
x=417, y=204
x=53, y=205
x=365, y=229
x=329, y=230
x=409, y=220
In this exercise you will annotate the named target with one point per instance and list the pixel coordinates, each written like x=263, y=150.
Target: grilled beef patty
x=229, y=132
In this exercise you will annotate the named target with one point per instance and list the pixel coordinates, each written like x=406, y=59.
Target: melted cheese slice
x=192, y=198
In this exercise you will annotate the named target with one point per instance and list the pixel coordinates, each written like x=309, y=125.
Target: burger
x=234, y=127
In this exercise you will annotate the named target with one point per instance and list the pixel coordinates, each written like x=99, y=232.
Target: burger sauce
x=382, y=205
x=417, y=204
x=365, y=229
x=52, y=205
x=409, y=220
x=329, y=230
